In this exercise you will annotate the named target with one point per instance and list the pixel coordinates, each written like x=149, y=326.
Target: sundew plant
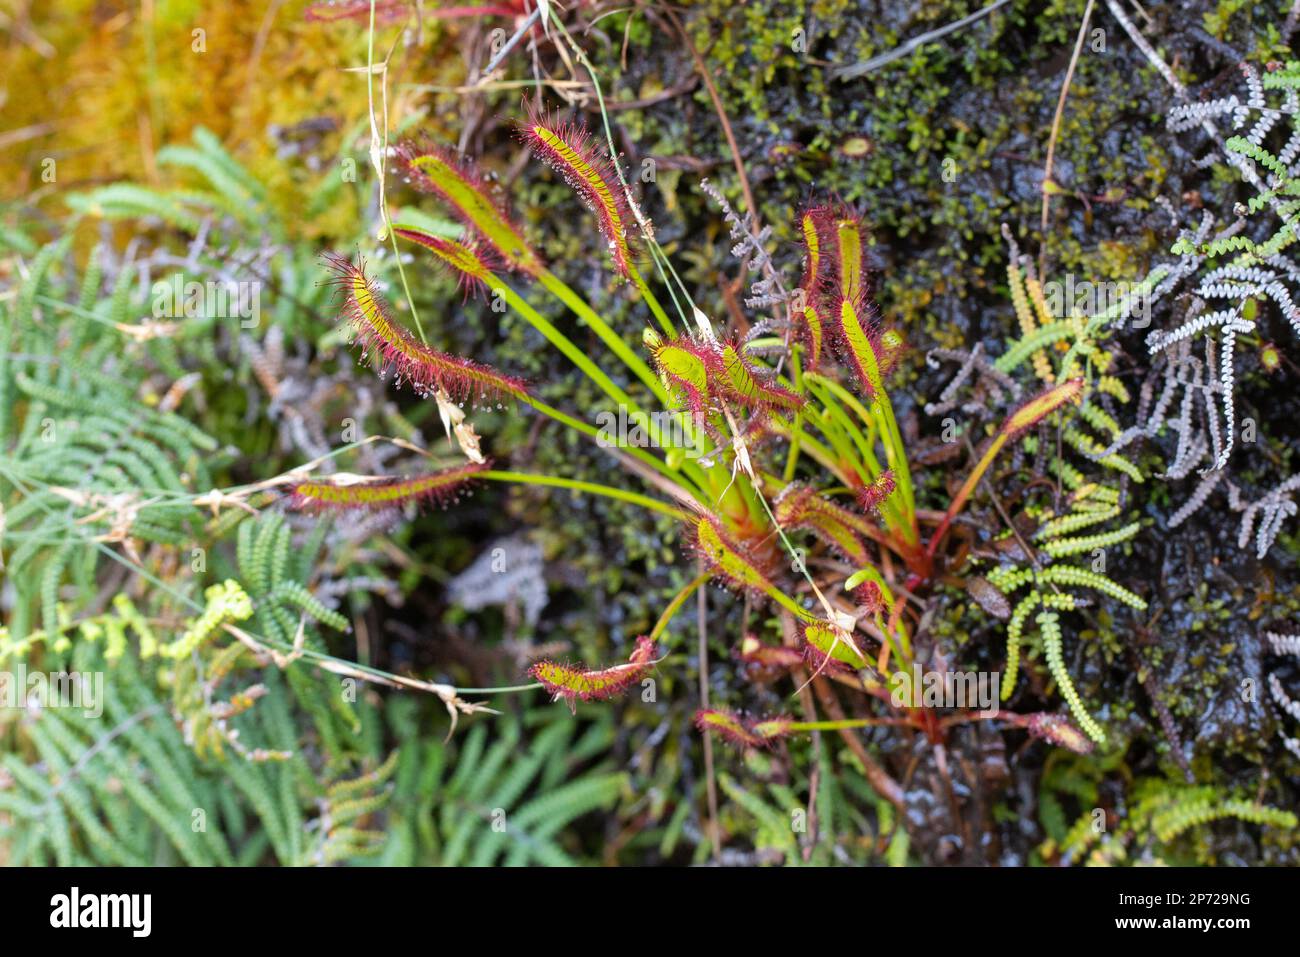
x=250, y=587
x=792, y=437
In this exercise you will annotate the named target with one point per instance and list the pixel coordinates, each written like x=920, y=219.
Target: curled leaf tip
x=869, y=597
x=427, y=369
x=872, y=497
x=570, y=150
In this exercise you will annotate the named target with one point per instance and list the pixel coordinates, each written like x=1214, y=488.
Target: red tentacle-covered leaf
x=842, y=267
x=728, y=726
x=801, y=506
x=574, y=682
x=470, y=262
x=812, y=302
x=746, y=384
x=811, y=328
x=689, y=365
x=427, y=369
x=842, y=304
x=437, y=170
x=814, y=260
x=843, y=239
x=742, y=732
x=810, y=306
x=857, y=337
x=850, y=256
x=708, y=372
x=728, y=560
x=872, y=497
x=570, y=150
x=438, y=488
x=827, y=649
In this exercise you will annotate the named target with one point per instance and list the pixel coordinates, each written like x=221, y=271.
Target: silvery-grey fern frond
x=1287, y=645
x=1284, y=646
x=769, y=289
x=1196, y=425
x=1264, y=516
x=991, y=384
x=1209, y=482
x=1253, y=270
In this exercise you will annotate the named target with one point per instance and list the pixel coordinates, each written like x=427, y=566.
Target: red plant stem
x=964, y=493
x=1028, y=415
x=928, y=722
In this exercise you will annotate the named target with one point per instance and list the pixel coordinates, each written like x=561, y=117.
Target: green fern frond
x=1015, y=630
x=1202, y=808
x=1074, y=521
x=1244, y=147
x=1064, y=547
x=1070, y=476
x=128, y=201
x=1086, y=444
x=1086, y=578
x=1016, y=626
x=1033, y=344
x=1099, y=419
x=297, y=595
x=1048, y=623
x=1111, y=386
x=1286, y=76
